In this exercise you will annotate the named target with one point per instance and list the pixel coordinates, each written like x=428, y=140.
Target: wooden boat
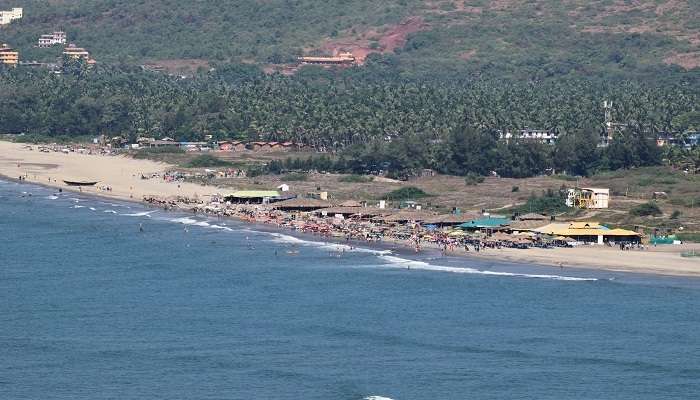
x=80, y=183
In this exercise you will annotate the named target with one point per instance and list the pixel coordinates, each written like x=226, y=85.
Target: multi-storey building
x=52, y=39
x=7, y=17
x=8, y=56
x=72, y=51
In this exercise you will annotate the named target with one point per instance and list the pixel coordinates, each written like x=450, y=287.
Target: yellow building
x=8, y=55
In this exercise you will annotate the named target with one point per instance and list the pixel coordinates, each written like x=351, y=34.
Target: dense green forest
x=371, y=122
x=443, y=78
x=610, y=39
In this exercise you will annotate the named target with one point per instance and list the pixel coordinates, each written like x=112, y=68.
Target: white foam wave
x=77, y=206
x=377, y=398
x=330, y=246
x=93, y=209
x=110, y=211
x=223, y=228
x=52, y=197
x=412, y=264
x=139, y=214
x=204, y=224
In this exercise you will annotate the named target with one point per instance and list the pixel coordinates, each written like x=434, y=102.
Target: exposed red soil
x=687, y=60
x=388, y=39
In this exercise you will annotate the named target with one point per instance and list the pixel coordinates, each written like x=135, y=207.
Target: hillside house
x=55, y=38
x=260, y=146
x=8, y=56
x=345, y=58
x=77, y=53
x=7, y=17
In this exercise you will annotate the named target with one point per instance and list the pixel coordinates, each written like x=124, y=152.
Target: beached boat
x=80, y=183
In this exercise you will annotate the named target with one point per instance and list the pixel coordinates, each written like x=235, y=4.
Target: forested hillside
x=439, y=82
x=519, y=38
x=387, y=124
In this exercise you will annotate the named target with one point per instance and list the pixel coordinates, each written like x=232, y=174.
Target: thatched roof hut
x=301, y=204
x=526, y=225
x=347, y=211
x=452, y=219
x=533, y=217
x=406, y=216
x=350, y=203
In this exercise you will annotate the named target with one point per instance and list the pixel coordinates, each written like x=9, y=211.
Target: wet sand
x=122, y=174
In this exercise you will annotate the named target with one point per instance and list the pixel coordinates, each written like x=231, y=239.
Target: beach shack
x=485, y=223
x=452, y=219
x=252, y=197
x=301, y=204
x=343, y=212
x=225, y=145
x=590, y=232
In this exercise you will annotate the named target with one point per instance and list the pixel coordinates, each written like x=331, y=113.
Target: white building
x=539, y=135
x=52, y=39
x=8, y=16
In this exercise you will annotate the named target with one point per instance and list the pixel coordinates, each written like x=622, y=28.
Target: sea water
x=102, y=299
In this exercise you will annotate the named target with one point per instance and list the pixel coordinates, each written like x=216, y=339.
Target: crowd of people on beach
x=412, y=234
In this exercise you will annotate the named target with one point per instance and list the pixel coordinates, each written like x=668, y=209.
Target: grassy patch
x=206, y=161
x=567, y=178
x=355, y=179
x=294, y=177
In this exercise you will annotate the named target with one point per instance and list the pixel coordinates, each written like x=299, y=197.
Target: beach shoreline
x=120, y=178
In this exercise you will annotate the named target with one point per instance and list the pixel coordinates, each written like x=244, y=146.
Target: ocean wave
x=110, y=211
x=420, y=265
x=223, y=228
x=139, y=214
x=52, y=197
x=330, y=246
x=377, y=398
x=77, y=206
x=194, y=222
x=93, y=209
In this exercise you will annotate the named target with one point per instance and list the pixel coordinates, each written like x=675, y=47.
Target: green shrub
x=646, y=209
x=515, y=189
x=355, y=179
x=676, y=214
x=155, y=152
x=689, y=237
x=205, y=161
x=406, y=193
x=473, y=179
x=550, y=202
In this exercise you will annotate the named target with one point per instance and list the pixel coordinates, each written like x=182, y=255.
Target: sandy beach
x=123, y=176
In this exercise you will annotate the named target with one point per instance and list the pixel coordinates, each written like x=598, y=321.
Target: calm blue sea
x=198, y=308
